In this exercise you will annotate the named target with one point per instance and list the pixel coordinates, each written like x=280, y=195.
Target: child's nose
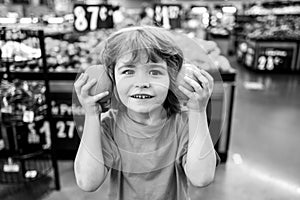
x=142, y=84
x=142, y=79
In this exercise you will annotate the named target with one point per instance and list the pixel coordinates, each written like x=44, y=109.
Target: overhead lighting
x=229, y=9
x=55, y=20
x=5, y=20
x=25, y=20
x=199, y=10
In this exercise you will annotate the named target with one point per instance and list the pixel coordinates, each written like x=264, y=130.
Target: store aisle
x=266, y=125
x=264, y=153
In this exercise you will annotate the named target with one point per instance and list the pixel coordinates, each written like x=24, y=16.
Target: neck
x=150, y=118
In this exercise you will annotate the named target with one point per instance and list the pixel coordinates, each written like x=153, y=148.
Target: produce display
x=276, y=27
x=76, y=55
x=22, y=101
x=203, y=53
x=23, y=106
x=71, y=56
x=259, y=10
x=17, y=51
x=276, y=20
x=73, y=52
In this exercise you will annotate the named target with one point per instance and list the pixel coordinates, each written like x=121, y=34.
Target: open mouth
x=141, y=96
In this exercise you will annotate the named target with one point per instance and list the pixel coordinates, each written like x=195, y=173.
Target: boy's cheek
x=122, y=82
x=163, y=85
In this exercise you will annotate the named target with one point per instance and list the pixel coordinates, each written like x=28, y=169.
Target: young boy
x=146, y=146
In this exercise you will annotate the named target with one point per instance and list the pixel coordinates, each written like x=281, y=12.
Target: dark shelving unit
x=41, y=161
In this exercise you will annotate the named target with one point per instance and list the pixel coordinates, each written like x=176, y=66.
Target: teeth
x=141, y=96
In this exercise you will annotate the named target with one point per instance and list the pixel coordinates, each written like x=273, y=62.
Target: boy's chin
x=143, y=109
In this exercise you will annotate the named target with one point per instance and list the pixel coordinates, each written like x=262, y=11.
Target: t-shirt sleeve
x=108, y=145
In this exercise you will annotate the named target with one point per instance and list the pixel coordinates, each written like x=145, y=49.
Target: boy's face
x=142, y=87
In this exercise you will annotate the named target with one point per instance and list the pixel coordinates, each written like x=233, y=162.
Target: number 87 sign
x=92, y=17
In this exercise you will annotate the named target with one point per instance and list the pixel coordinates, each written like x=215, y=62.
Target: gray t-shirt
x=145, y=162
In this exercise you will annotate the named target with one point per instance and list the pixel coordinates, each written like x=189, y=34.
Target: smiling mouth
x=141, y=96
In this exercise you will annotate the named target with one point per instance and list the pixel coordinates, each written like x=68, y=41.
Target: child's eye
x=155, y=72
x=128, y=72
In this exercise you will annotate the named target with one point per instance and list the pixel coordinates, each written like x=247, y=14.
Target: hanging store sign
x=167, y=15
x=92, y=17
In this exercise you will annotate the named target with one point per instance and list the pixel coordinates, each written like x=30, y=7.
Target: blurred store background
x=254, y=45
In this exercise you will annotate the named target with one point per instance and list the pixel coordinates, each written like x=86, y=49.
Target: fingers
x=201, y=78
x=209, y=78
x=204, y=81
x=86, y=88
x=83, y=85
x=194, y=84
x=79, y=83
x=185, y=91
x=207, y=75
x=100, y=96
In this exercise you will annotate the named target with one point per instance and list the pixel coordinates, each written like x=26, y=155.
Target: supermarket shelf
x=40, y=75
x=62, y=75
x=226, y=76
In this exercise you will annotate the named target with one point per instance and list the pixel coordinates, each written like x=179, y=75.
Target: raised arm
x=201, y=158
x=89, y=168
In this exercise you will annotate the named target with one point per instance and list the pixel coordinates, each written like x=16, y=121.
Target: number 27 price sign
x=64, y=130
x=92, y=17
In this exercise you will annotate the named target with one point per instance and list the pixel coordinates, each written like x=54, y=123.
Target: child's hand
x=203, y=88
x=88, y=102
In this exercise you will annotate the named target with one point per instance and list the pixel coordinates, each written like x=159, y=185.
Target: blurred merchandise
x=19, y=97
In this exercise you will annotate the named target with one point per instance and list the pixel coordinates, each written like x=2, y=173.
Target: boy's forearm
x=91, y=137
x=89, y=164
x=201, y=158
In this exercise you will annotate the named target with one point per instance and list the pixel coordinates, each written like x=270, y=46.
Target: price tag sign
x=92, y=17
x=275, y=59
x=167, y=15
x=275, y=55
x=66, y=129
x=65, y=132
